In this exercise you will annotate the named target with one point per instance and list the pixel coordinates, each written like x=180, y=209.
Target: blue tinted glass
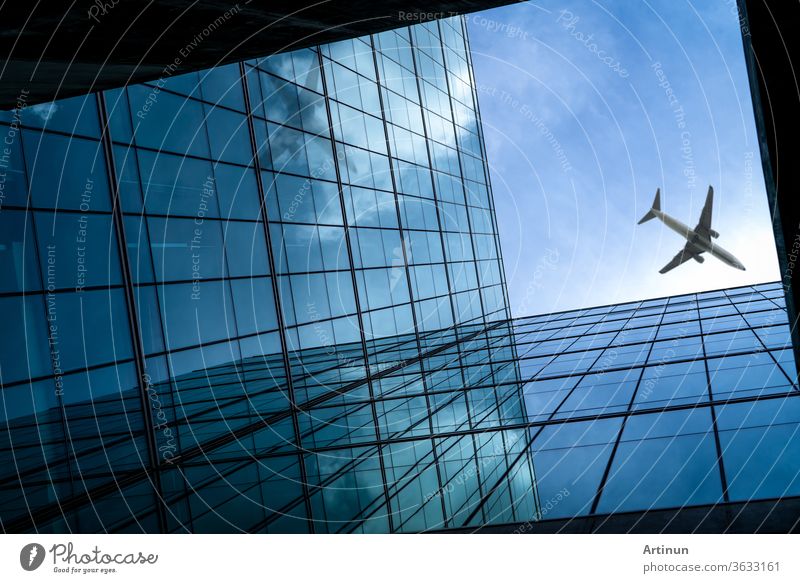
x=746, y=375
x=255, y=309
x=77, y=250
x=601, y=393
x=570, y=459
x=246, y=248
x=176, y=184
x=356, y=489
x=761, y=448
x=26, y=319
x=149, y=315
x=96, y=324
x=672, y=384
x=18, y=405
x=138, y=246
x=222, y=85
x=18, y=265
x=664, y=460
x=228, y=135
x=196, y=313
x=288, y=150
x=237, y=191
x=163, y=121
x=731, y=342
x=677, y=349
x=775, y=336
x=184, y=249
x=67, y=172
x=76, y=115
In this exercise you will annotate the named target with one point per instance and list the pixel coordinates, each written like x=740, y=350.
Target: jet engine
x=713, y=233
x=698, y=258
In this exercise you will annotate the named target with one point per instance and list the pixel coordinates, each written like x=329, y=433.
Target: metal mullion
x=357, y=300
x=47, y=130
x=145, y=225
x=525, y=452
x=638, y=302
x=717, y=441
x=178, y=216
x=717, y=444
x=157, y=283
x=183, y=155
x=63, y=211
x=193, y=97
x=276, y=295
x=510, y=469
x=319, y=271
x=422, y=109
x=218, y=475
x=727, y=506
x=133, y=317
x=31, y=380
x=619, y=433
x=44, y=292
x=158, y=286
x=46, y=467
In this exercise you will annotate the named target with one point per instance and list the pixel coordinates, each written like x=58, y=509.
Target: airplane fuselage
x=703, y=244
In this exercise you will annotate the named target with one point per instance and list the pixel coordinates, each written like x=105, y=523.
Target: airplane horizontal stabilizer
x=647, y=217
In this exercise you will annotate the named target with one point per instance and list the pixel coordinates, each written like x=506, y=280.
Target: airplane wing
x=683, y=256
x=703, y=227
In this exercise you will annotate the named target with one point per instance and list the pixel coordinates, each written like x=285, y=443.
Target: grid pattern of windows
x=250, y=246
x=682, y=401
x=588, y=412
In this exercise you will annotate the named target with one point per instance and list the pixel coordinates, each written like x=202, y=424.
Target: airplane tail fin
x=656, y=207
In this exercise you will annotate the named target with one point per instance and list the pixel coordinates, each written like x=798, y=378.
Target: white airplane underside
x=698, y=240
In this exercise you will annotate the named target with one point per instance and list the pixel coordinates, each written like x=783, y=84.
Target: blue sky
x=587, y=108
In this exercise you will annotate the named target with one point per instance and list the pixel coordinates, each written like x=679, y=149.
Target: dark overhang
x=770, y=42
x=52, y=50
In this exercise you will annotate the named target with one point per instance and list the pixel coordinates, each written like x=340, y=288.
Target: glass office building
x=270, y=298
x=242, y=247
x=666, y=403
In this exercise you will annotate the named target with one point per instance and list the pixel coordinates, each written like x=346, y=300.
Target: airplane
x=698, y=240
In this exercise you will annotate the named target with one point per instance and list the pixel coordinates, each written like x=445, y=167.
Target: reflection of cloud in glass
x=43, y=111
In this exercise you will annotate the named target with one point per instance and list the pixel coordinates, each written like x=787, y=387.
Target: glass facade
x=666, y=403
x=297, y=224
x=269, y=297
